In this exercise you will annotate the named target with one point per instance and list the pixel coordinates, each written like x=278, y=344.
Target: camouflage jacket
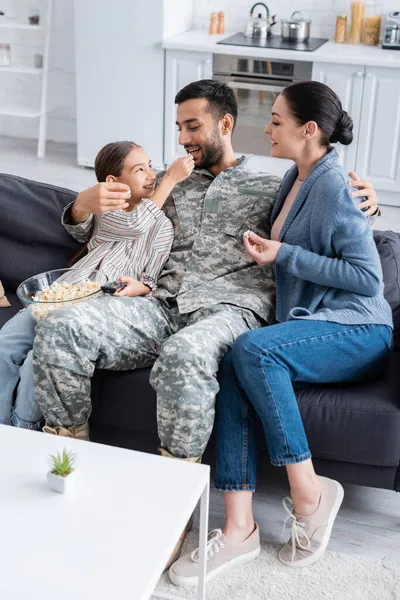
x=208, y=264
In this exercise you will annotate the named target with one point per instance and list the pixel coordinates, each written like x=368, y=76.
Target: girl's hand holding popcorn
x=180, y=169
x=262, y=251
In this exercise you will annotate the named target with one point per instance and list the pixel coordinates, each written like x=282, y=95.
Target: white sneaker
x=310, y=535
x=222, y=554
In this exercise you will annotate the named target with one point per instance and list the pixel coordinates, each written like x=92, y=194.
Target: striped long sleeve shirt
x=125, y=244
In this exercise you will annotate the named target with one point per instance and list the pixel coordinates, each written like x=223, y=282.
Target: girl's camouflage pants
x=131, y=333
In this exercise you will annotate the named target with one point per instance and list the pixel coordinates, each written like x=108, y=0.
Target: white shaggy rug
x=335, y=577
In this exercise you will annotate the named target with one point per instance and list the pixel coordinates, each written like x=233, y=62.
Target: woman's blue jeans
x=16, y=342
x=256, y=383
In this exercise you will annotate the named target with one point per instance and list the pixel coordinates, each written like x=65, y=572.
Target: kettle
x=259, y=27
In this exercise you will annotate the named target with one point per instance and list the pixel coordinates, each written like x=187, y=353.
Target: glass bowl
x=76, y=278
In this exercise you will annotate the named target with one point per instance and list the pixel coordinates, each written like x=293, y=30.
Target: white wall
x=178, y=17
x=322, y=12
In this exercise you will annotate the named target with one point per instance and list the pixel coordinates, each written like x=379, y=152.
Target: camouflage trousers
x=131, y=333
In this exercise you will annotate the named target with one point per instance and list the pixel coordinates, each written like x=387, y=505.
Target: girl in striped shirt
x=131, y=244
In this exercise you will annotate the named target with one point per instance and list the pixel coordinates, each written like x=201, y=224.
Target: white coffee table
x=107, y=538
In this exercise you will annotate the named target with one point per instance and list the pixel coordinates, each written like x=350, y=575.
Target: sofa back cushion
x=388, y=244
x=32, y=239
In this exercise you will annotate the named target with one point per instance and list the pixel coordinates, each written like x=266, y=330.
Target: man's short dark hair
x=221, y=98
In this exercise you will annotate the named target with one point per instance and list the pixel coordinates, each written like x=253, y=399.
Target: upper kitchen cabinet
x=119, y=76
x=371, y=97
x=379, y=136
x=348, y=82
x=181, y=68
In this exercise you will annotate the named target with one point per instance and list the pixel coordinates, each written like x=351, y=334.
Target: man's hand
x=180, y=169
x=366, y=190
x=264, y=252
x=100, y=198
x=133, y=288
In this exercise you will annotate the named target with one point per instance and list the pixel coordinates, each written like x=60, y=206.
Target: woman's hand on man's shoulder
x=365, y=190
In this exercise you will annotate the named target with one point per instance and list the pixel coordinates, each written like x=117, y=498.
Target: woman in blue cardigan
x=333, y=325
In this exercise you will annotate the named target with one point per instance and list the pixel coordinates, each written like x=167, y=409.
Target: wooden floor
x=369, y=520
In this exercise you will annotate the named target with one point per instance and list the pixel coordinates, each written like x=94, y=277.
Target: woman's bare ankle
x=238, y=533
x=306, y=499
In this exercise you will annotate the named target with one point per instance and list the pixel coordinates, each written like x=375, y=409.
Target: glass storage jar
x=372, y=24
x=5, y=55
x=357, y=22
x=341, y=29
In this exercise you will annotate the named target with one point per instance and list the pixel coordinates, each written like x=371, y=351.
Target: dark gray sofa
x=353, y=430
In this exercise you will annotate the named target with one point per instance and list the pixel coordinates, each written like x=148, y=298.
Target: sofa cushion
x=357, y=423
x=388, y=245
x=32, y=239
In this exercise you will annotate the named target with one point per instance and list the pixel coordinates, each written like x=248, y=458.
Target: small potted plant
x=61, y=470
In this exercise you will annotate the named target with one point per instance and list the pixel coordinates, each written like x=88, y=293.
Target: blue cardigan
x=327, y=267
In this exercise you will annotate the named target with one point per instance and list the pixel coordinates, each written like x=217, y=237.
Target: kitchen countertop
x=199, y=41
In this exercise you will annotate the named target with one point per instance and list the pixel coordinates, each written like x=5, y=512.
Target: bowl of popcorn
x=60, y=288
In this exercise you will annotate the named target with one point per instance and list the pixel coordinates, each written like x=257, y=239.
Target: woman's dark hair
x=110, y=159
x=221, y=98
x=315, y=101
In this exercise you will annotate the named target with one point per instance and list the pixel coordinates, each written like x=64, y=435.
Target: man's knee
x=52, y=323
x=59, y=332
x=178, y=349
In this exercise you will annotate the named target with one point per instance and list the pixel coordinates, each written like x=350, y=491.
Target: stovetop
x=274, y=41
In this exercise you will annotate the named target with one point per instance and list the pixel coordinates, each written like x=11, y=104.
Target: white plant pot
x=60, y=484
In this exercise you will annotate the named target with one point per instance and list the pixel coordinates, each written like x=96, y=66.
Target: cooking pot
x=296, y=28
x=259, y=27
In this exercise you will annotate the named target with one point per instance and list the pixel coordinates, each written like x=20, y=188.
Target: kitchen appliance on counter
x=256, y=83
x=259, y=27
x=391, y=31
x=296, y=28
x=274, y=41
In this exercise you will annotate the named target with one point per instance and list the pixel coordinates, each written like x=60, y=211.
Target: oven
x=256, y=83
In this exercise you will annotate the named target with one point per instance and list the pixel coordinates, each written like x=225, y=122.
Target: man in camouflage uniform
x=208, y=294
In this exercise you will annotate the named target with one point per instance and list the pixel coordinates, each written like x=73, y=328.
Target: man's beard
x=212, y=153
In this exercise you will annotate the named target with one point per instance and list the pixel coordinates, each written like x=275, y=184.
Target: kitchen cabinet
x=181, y=68
x=371, y=96
x=378, y=156
x=348, y=83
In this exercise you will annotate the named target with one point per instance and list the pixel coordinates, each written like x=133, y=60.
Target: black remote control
x=113, y=286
